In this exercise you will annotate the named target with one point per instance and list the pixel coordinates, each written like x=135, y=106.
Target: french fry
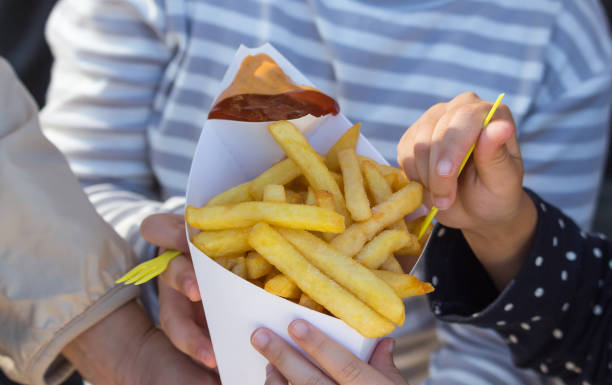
x=234, y=195
x=295, y=145
x=404, y=285
x=223, y=242
x=344, y=305
x=246, y=214
x=357, y=201
x=227, y=262
x=402, y=179
x=347, y=140
x=281, y=173
x=396, y=207
x=391, y=179
x=240, y=268
x=294, y=197
x=308, y=302
x=325, y=201
x=282, y=286
x=377, y=251
x=338, y=178
x=392, y=264
x=298, y=184
x=379, y=188
x=311, y=199
x=347, y=272
x=274, y=193
x=257, y=266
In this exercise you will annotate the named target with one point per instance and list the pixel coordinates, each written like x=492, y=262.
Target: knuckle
x=469, y=95
x=351, y=371
x=468, y=112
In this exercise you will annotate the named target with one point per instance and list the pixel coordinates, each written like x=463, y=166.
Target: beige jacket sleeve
x=58, y=258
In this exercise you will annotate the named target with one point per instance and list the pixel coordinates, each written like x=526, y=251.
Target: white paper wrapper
x=229, y=153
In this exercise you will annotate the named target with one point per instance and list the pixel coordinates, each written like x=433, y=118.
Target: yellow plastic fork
x=434, y=209
x=149, y=269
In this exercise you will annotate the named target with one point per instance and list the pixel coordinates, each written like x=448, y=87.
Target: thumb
x=166, y=231
x=382, y=360
x=497, y=153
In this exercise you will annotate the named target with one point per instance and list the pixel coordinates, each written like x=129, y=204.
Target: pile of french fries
x=322, y=231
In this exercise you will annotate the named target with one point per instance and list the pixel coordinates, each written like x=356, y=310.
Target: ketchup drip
x=264, y=108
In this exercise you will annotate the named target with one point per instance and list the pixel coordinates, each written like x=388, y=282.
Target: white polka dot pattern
x=564, y=275
x=539, y=260
x=597, y=310
x=525, y=326
x=539, y=292
x=597, y=252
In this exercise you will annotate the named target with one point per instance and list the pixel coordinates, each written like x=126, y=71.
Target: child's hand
x=431, y=152
x=181, y=314
x=488, y=204
x=289, y=366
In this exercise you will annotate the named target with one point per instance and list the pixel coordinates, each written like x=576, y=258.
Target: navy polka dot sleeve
x=556, y=315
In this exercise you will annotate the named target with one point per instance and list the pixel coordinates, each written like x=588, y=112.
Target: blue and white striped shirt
x=134, y=79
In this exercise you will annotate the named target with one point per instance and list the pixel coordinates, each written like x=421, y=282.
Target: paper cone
x=229, y=153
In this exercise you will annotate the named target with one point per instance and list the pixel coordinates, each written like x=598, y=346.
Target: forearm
x=102, y=353
x=556, y=311
x=126, y=348
x=503, y=247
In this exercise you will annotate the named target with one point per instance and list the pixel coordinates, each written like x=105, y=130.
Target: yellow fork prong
x=138, y=276
x=131, y=273
x=147, y=277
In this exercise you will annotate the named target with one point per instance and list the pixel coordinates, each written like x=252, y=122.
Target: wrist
x=503, y=246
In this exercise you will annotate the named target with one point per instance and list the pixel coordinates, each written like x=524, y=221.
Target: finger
x=497, y=155
x=177, y=322
x=180, y=276
x=274, y=377
x=414, y=144
x=297, y=369
x=341, y=364
x=382, y=360
x=165, y=230
x=451, y=140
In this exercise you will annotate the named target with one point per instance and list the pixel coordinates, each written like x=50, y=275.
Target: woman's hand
x=181, y=314
x=487, y=202
x=126, y=348
x=287, y=365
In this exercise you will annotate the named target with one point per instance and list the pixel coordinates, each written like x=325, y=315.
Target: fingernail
x=260, y=339
x=444, y=167
x=391, y=346
x=204, y=355
x=299, y=329
x=191, y=289
x=442, y=203
x=269, y=369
